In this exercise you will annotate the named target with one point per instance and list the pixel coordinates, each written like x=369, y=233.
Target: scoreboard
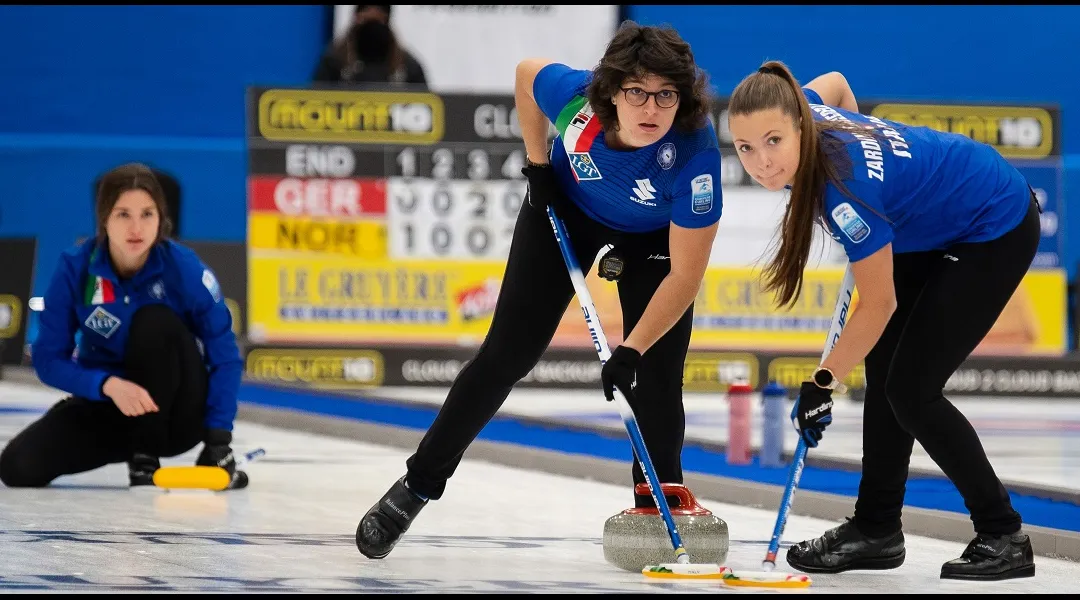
x=440, y=175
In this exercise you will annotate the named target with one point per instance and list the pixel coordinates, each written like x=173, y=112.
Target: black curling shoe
x=993, y=558
x=390, y=517
x=843, y=548
x=141, y=469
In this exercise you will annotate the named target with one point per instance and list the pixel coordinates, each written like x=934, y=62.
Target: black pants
x=536, y=291
x=946, y=304
x=78, y=435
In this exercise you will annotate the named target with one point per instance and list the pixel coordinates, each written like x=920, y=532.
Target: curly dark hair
x=637, y=51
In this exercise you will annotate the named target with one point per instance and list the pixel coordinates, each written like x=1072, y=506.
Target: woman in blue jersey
x=939, y=231
x=636, y=165
x=129, y=304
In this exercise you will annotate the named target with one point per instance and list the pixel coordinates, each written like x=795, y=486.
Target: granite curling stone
x=637, y=537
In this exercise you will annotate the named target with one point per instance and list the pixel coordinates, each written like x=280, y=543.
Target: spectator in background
x=369, y=53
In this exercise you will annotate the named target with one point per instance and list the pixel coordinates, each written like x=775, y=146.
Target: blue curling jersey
x=674, y=180
x=88, y=302
x=936, y=189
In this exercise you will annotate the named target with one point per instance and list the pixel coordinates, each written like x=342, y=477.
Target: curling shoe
x=141, y=469
x=844, y=548
x=386, y=521
x=992, y=558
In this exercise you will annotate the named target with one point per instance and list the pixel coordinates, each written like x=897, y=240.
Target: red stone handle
x=688, y=504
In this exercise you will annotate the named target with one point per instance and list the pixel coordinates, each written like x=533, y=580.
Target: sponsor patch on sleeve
x=211, y=284
x=849, y=221
x=701, y=194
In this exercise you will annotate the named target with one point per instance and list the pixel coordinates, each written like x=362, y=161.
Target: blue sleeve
x=58, y=323
x=697, y=198
x=811, y=96
x=555, y=85
x=212, y=323
x=860, y=230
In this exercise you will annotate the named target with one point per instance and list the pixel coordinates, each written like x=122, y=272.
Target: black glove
x=544, y=187
x=217, y=452
x=620, y=371
x=812, y=412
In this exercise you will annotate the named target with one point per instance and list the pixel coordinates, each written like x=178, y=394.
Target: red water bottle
x=738, y=448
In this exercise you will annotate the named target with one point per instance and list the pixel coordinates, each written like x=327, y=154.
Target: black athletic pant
x=946, y=304
x=78, y=435
x=536, y=291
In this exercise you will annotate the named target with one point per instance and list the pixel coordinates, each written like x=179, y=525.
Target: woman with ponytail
x=939, y=231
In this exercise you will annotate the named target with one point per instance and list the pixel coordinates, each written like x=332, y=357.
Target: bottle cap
x=740, y=386
x=774, y=389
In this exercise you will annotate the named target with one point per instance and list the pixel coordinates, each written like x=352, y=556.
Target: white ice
x=497, y=529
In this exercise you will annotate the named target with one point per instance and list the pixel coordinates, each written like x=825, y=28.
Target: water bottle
x=738, y=449
x=774, y=423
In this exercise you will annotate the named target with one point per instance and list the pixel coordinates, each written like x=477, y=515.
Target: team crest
x=665, y=156
x=157, y=290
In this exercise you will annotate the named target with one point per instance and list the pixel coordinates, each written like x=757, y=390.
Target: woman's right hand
x=131, y=398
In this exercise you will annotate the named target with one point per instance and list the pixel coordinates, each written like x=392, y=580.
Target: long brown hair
x=131, y=176
x=637, y=51
x=774, y=87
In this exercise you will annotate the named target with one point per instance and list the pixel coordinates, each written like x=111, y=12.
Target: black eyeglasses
x=636, y=96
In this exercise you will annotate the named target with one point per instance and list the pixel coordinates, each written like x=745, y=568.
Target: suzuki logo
x=644, y=192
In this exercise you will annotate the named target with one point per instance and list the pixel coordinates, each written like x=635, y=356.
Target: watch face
x=823, y=378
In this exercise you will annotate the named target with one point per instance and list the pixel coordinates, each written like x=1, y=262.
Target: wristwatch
x=823, y=377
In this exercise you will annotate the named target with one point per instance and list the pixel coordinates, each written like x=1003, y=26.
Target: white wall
x=475, y=47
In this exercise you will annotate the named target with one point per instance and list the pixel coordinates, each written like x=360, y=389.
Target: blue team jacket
x=87, y=304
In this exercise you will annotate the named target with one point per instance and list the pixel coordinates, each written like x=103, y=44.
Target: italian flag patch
x=99, y=291
x=578, y=125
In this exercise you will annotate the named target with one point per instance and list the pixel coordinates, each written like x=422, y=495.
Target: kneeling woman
x=137, y=305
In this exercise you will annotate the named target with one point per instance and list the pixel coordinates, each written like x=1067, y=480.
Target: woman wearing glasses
x=635, y=165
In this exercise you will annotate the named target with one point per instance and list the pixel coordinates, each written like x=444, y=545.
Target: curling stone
x=637, y=537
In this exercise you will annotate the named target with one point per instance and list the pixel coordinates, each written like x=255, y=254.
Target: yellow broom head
x=204, y=478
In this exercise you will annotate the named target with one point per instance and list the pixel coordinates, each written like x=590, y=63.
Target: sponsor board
x=317, y=368
x=715, y=371
x=355, y=117
x=791, y=371
x=16, y=280
x=10, y=316
x=406, y=366
x=1014, y=131
x=571, y=369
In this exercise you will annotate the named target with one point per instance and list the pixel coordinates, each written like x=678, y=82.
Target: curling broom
x=627, y=413
x=201, y=478
x=767, y=577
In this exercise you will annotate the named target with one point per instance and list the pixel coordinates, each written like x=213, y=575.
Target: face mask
x=372, y=40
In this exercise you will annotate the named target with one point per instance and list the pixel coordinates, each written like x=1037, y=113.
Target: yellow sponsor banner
x=10, y=316
x=1034, y=320
x=351, y=116
x=792, y=371
x=338, y=300
x=732, y=311
x=326, y=369
x=1014, y=131
x=715, y=371
x=326, y=298
x=364, y=239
